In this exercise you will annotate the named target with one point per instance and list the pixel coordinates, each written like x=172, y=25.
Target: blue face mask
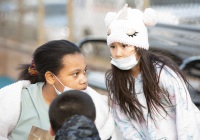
x=125, y=63
x=65, y=87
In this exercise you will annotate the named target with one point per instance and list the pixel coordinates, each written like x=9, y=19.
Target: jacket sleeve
x=128, y=130
x=104, y=119
x=10, y=99
x=187, y=114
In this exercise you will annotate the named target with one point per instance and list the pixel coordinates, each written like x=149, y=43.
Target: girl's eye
x=75, y=74
x=112, y=47
x=85, y=71
x=124, y=46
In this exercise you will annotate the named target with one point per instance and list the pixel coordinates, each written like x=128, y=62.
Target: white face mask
x=65, y=87
x=125, y=63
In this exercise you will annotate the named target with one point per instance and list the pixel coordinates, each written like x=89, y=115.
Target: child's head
x=48, y=57
x=57, y=61
x=127, y=35
x=68, y=104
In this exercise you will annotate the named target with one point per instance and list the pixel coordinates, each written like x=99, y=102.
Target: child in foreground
x=72, y=115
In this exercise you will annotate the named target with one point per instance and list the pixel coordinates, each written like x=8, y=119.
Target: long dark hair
x=121, y=87
x=48, y=57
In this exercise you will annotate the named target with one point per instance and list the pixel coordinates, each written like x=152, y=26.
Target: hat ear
x=110, y=16
x=149, y=17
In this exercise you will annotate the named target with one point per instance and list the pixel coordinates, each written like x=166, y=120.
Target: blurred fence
x=26, y=21
x=89, y=16
x=177, y=11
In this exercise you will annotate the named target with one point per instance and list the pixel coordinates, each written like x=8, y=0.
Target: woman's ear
x=51, y=131
x=49, y=77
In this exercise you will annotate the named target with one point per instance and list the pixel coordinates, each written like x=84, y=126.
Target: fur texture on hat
x=129, y=26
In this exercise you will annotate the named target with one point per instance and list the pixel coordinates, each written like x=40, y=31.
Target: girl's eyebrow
x=77, y=70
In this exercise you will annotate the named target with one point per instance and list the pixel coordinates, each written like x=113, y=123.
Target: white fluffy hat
x=129, y=26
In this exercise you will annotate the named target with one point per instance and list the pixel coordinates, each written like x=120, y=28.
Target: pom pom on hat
x=110, y=16
x=149, y=17
x=128, y=26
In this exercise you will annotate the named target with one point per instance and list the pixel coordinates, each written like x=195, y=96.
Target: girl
x=149, y=93
x=57, y=66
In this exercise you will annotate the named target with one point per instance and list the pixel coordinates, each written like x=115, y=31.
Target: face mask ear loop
x=136, y=53
x=138, y=59
x=58, y=92
x=58, y=80
x=111, y=56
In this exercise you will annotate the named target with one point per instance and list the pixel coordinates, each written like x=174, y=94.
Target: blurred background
x=25, y=24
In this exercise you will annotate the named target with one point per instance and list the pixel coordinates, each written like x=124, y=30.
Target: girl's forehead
x=75, y=56
x=119, y=43
x=74, y=61
x=116, y=43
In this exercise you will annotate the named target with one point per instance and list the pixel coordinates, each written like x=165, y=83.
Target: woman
x=57, y=66
x=149, y=93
